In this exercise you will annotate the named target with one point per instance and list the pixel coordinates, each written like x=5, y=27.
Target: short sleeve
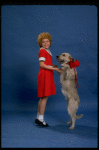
x=42, y=55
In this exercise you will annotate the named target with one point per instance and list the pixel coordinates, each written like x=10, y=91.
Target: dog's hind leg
x=73, y=123
x=72, y=114
x=73, y=120
x=70, y=122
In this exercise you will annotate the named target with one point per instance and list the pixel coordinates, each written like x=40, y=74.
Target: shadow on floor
x=79, y=130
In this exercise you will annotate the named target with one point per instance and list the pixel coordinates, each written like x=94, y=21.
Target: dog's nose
x=57, y=57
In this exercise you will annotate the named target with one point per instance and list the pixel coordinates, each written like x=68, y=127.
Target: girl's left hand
x=55, y=66
x=59, y=70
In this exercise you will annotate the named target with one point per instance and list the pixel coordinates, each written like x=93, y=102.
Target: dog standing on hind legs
x=68, y=79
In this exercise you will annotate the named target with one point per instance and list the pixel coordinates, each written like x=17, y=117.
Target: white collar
x=47, y=51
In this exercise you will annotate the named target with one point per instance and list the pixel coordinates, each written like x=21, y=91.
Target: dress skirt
x=46, y=84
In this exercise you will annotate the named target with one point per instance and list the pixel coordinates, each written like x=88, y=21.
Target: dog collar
x=72, y=66
x=68, y=63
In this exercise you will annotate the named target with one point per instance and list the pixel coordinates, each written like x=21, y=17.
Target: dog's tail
x=79, y=116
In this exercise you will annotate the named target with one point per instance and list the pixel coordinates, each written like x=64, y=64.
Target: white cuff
x=50, y=66
x=41, y=59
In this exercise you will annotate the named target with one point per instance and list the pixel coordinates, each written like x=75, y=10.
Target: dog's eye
x=63, y=54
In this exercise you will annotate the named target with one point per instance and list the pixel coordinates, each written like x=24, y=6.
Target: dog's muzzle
x=59, y=60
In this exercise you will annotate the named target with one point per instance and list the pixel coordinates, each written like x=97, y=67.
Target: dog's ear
x=71, y=58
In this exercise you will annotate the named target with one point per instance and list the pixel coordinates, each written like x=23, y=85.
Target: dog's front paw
x=55, y=66
x=71, y=128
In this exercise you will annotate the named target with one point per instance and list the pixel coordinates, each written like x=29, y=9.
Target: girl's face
x=45, y=43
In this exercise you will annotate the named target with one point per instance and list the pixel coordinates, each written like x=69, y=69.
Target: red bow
x=73, y=65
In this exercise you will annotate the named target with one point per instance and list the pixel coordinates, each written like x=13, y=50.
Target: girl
x=46, y=85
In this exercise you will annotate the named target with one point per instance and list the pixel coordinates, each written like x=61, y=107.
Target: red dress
x=46, y=85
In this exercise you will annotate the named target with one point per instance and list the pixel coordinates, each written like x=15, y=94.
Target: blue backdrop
x=73, y=29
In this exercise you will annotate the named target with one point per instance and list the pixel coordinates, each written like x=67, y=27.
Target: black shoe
x=41, y=123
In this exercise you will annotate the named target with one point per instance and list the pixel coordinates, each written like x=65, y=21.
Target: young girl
x=46, y=85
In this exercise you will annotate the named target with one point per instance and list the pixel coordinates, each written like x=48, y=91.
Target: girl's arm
x=42, y=65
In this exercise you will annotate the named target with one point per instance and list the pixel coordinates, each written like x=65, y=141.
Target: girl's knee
x=44, y=98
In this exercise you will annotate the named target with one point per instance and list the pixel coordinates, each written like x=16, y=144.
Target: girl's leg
x=42, y=105
x=41, y=110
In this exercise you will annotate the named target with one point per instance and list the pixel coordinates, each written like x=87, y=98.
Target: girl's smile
x=46, y=43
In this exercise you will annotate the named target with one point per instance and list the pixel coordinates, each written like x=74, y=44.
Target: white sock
x=41, y=118
x=38, y=115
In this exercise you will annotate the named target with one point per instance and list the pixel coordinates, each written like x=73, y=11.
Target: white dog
x=67, y=79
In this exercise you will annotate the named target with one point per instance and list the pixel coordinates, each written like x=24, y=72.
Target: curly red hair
x=44, y=35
